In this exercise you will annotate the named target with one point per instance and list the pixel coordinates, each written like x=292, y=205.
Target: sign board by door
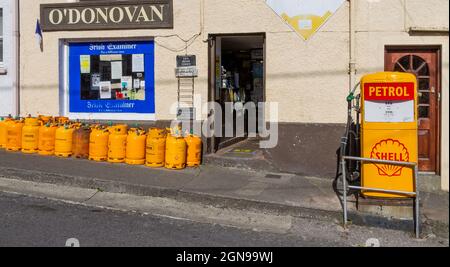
x=186, y=66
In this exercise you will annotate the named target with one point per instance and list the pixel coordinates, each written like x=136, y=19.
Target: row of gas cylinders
x=116, y=144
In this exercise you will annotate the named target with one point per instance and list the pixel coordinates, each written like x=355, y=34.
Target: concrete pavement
x=275, y=193
x=38, y=214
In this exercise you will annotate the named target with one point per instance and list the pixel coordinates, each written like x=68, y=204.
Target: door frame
x=211, y=142
x=438, y=50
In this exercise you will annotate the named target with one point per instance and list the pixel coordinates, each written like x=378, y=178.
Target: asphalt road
x=28, y=222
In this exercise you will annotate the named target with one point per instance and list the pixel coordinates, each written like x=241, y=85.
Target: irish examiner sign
x=104, y=15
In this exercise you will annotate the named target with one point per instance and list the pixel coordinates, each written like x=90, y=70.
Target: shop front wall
x=294, y=69
x=41, y=86
x=308, y=79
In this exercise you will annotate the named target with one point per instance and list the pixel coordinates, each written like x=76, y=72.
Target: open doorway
x=237, y=76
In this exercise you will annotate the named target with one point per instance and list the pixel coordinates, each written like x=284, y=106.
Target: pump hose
x=345, y=140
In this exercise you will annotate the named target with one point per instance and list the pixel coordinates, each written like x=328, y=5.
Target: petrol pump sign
x=389, y=131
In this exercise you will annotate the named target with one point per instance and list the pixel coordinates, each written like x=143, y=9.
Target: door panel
x=423, y=63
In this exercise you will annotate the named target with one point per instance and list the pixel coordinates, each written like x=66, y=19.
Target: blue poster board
x=79, y=73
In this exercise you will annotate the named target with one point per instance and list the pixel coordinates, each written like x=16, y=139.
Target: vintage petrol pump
x=388, y=131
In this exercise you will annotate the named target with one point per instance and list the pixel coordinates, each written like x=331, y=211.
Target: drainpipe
x=17, y=54
x=352, y=44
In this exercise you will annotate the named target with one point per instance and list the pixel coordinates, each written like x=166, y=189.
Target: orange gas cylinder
x=14, y=142
x=98, y=144
x=45, y=119
x=63, y=141
x=176, y=149
x=4, y=130
x=156, y=148
x=194, y=150
x=61, y=120
x=30, y=135
x=47, y=135
x=117, y=144
x=136, y=147
x=80, y=145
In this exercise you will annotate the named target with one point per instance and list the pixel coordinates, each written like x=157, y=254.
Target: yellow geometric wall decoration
x=306, y=17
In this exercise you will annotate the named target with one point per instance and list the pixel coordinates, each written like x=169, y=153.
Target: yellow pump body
x=117, y=144
x=14, y=135
x=194, y=151
x=63, y=141
x=389, y=131
x=30, y=136
x=136, y=147
x=4, y=131
x=47, y=134
x=98, y=144
x=176, y=149
x=156, y=148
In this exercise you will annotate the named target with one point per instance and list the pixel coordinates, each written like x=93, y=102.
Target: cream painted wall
x=309, y=79
x=385, y=22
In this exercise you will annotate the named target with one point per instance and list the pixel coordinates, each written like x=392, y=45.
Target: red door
x=424, y=64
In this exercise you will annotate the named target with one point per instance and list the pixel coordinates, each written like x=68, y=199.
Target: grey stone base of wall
x=307, y=149
x=303, y=149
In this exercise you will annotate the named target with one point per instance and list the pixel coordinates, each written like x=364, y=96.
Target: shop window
x=111, y=77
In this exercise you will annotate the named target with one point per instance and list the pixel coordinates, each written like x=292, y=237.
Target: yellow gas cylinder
x=47, y=135
x=63, y=141
x=4, y=130
x=194, y=150
x=61, y=120
x=80, y=145
x=117, y=144
x=136, y=147
x=98, y=143
x=14, y=135
x=45, y=119
x=156, y=148
x=30, y=135
x=176, y=149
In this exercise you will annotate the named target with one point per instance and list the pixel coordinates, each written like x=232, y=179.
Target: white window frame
x=64, y=95
x=2, y=66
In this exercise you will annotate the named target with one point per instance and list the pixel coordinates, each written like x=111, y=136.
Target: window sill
x=3, y=70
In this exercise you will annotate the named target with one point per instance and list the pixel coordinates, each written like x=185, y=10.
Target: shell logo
x=392, y=150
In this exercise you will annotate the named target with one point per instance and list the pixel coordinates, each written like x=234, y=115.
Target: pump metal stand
x=414, y=194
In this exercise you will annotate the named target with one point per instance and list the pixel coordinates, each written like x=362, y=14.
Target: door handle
x=433, y=90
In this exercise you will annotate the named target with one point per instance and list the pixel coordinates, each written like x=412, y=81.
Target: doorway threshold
x=246, y=155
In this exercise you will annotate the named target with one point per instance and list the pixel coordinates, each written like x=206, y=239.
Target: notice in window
x=138, y=63
x=105, y=90
x=116, y=70
x=126, y=82
x=136, y=84
x=85, y=63
x=95, y=81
